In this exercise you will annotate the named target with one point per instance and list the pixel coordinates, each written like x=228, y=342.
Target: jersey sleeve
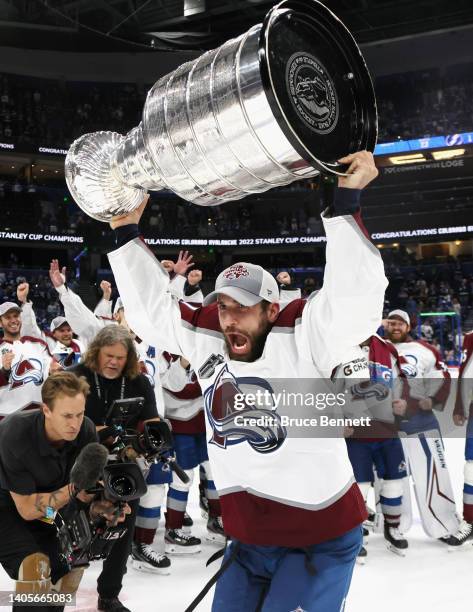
x=438, y=381
x=286, y=296
x=152, y=311
x=175, y=377
x=82, y=320
x=29, y=325
x=348, y=308
x=104, y=309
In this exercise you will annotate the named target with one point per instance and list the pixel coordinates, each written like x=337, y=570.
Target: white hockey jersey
x=426, y=374
x=275, y=489
x=21, y=386
x=183, y=400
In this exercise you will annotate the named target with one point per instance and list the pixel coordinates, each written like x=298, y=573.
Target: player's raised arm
x=82, y=320
x=152, y=312
x=349, y=306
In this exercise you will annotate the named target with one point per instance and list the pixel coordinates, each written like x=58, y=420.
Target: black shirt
x=29, y=463
x=100, y=399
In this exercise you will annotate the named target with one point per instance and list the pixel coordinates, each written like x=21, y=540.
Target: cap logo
x=234, y=272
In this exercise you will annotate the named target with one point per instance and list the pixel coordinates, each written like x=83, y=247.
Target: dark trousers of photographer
x=109, y=583
x=30, y=554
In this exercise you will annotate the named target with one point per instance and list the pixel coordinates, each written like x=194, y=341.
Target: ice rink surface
x=428, y=579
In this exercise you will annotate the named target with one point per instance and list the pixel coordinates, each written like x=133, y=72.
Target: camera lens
x=122, y=485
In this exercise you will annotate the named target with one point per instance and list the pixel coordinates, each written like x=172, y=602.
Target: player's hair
x=112, y=334
x=63, y=383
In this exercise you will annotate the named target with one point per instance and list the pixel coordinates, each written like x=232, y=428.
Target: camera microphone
x=89, y=465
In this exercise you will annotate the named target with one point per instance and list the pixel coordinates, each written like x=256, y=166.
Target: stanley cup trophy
x=280, y=103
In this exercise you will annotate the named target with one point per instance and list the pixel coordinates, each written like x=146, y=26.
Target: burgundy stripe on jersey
x=359, y=221
x=264, y=522
x=289, y=315
x=205, y=317
x=196, y=425
x=191, y=391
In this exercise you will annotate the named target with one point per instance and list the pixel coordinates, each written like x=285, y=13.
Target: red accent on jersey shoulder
x=191, y=391
x=264, y=522
x=196, y=425
x=288, y=316
x=205, y=317
x=359, y=221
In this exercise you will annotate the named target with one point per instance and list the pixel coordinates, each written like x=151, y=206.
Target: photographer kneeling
x=112, y=370
x=38, y=449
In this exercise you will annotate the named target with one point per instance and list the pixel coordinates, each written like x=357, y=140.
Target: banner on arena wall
x=446, y=168
x=384, y=148
x=434, y=232
x=33, y=237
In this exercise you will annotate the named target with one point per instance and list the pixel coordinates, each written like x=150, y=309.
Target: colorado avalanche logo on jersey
x=220, y=400
x=26, y=371
x=381, y=380
x=235, y=272
x=409, y=365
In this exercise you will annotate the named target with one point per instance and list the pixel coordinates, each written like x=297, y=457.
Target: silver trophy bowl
x=280, y=103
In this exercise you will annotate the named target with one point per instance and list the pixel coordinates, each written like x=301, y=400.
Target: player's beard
x=257, y=342
x=396, y=338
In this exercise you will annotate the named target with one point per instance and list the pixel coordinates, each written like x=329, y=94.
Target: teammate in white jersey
x=429, y=387
x=290, y=504
x=24, y=366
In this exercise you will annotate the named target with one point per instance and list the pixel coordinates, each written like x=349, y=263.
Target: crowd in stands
x=52, y=113
x=52, y=210
x=425, y=103
x=42, y=293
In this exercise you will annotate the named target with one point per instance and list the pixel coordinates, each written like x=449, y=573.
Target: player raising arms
x=290, y=505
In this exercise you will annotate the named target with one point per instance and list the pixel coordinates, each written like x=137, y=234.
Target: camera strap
x=99, y=390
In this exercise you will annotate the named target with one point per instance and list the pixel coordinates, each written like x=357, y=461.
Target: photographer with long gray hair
x=112, y=369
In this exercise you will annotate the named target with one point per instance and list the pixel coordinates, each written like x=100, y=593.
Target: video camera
x=118, y=477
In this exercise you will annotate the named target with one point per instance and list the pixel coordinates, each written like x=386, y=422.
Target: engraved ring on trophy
x=280, y=103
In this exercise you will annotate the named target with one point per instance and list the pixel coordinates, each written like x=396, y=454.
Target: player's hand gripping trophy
x=280, y=103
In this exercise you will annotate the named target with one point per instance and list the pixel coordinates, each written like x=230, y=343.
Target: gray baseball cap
x=6, y=306
x=57, y=322
x=245, y=283
x=401, y=314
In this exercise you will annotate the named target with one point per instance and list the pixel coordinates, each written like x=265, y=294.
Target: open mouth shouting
x=239, y=344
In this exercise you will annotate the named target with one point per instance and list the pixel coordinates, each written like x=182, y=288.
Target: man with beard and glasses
x=25, y=363
x=289, y=504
